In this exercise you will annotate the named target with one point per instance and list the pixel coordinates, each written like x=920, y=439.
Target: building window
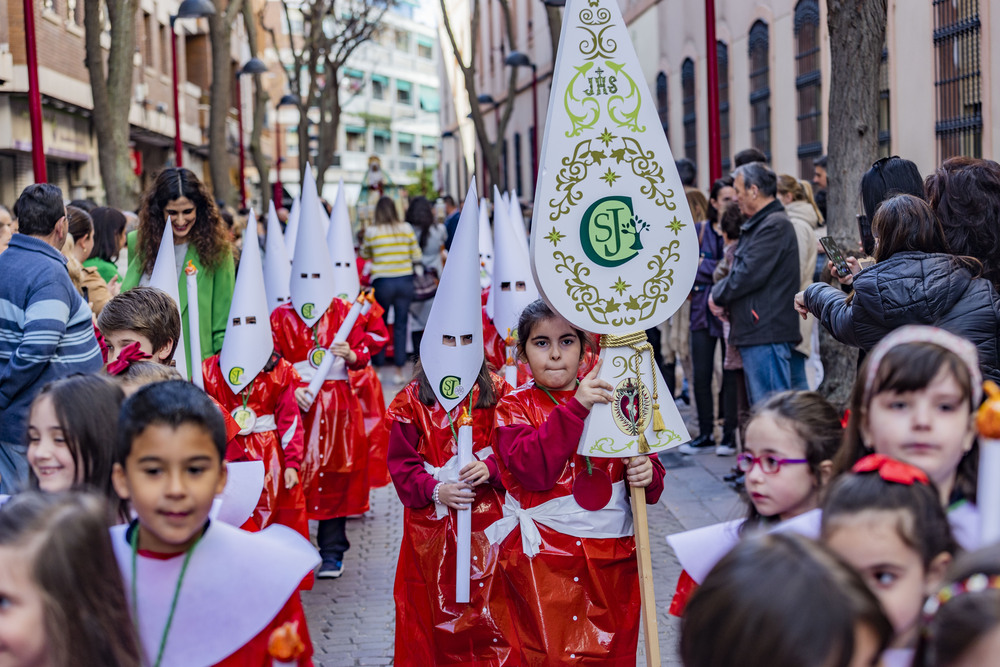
x=354, y=79
x=690, y=114
x=355, y=139
x=166, y=60
x=760, y=89
x=402, y=41
x=884, y=138
x=404, y=92
x=723, y=67
x=958, y=82
x=429, y=150
x=662, y=104
x=379, y=85
x=146, y=35
x=517, y=162
x=430, y=101
x=405, y=140
x=425, y=47
x=381, y=140
x=808, y=83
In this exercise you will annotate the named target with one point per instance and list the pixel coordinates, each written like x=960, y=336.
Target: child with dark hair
x=578, y=557
x=109, y=239
x=204, y=593
x=144, y=318
x=886, y=522
x=961, y=623
x=68, y=443
x=780, y=600
x=64, y=603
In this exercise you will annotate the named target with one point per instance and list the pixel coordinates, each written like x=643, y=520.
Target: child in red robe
x=569, y=565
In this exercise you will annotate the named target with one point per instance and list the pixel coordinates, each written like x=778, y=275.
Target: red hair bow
x=891, y=470
x=129, y=354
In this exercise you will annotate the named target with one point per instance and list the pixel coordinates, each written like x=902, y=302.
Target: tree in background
x=111, y=83
x=491, y=149
x=857, y=36
x=220, y=28
x=331, y=31
x=260, y=100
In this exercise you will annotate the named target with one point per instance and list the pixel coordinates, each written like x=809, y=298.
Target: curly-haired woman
x=200, y=236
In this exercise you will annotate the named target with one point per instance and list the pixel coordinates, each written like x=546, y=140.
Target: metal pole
x=279, y=199
x=714, y=134
x=243, y=159
x=534, y=134
x=34, y=94
x=178, y=143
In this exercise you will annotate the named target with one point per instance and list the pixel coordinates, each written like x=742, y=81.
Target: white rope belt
x=338, y=371
x=564, y=515
x=448, y=473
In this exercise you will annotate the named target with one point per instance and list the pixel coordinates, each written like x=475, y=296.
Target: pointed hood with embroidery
x=277, y=268
x=485, y=245
x=248, y=343
x=346, y=283
x=451, y=350
x=164, y=277
x=513, y=285
x=312, y=271
x=292, y=226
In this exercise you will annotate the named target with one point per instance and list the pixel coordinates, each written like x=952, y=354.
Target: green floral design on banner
x=628, y=119
x=607, y=446
x=626, y=150
x=596, y=45
x=589, y=107
x=608, y=311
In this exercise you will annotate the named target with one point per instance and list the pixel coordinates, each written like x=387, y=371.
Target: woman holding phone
x=179, y=199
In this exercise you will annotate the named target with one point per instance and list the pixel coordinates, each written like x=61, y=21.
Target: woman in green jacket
x=109, y=239
x=200, y=237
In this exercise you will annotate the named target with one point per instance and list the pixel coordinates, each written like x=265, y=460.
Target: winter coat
x=913, y=288
x=804, y=220
x=760, y=289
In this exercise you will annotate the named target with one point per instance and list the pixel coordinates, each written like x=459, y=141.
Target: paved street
x=351, y=618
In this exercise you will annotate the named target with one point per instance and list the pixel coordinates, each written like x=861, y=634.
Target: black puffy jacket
x=913, y=288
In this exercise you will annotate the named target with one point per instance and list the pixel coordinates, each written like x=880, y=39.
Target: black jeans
x=703, y=346
x=398, y=293
x=331, y=536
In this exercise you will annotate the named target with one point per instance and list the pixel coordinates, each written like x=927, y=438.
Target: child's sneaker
x=331, y=570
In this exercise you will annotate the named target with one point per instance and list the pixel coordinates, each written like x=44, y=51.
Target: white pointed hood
x=292, y=226
x=277, y=268
x=517, y=218
x=485, y=244
x=312, y=270
x=451, y=350
x=346, y=283
x=248, y=343
x=513, y=285
x=164, y=277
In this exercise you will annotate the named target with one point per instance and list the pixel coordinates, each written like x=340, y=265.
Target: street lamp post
x=189, y=9
x=252, y=66
x=34, y=94
x=714, y=138
x=279, y=191
x=518, y=59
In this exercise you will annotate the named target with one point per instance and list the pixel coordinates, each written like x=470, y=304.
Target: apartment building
x=939, y=95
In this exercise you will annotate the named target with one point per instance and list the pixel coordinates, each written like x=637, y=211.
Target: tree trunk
x=260, y=101
x=857, y=35
x=220, y=32
x=111, y=120
x=329, y=108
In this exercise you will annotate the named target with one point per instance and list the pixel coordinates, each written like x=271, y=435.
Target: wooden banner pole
x=646, y=593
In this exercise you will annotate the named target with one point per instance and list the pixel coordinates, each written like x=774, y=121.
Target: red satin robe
x=368, y=389
x=431, y=629
x=578, y=598
x=334, y=469
x=272, y=393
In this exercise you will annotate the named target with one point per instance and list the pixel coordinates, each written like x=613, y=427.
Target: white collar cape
x=236, y=583
x=244, y=484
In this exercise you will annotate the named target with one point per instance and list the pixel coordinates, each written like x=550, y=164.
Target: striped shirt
x=46, y=329
x=392, y=250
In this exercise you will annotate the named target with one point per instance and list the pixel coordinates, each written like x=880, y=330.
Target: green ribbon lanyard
x=451, y=423
x=134, y=543
x=246, y=393
x=590, y=466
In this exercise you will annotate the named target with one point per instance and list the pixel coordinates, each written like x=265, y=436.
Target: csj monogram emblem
x=451, y=386
x=609, y=231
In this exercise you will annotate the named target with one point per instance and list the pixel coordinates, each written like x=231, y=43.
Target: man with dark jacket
x=46, y=330
x=760, y=288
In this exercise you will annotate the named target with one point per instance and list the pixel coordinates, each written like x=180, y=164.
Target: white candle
x=193, y=325
x=463, y=556
x=342, y=333
x=988, y=491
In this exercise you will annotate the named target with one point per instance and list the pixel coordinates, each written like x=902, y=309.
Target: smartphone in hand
x=835, y=255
